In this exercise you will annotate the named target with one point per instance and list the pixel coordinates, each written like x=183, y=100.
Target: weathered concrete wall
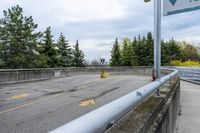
x=168, y=122
x=25, y=75
x=158, y=114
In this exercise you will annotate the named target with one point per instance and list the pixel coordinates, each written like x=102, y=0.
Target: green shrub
x=186, y=63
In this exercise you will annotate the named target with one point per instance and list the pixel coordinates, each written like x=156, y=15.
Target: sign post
x=157, y=38
x=170, y=7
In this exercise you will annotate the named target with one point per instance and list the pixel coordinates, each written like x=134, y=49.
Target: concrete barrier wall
x=158, y=114
x=169, y=119
x=25, y=75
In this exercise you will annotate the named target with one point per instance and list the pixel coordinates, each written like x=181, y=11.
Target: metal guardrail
x=191, y=74
x=104, y=117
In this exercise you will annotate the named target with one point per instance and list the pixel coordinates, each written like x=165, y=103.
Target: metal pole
x=157, y=38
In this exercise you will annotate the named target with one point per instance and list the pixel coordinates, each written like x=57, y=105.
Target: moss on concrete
x=163, y=92
x=148, y=105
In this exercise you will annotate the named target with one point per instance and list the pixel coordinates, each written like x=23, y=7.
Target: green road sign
x=171, y=7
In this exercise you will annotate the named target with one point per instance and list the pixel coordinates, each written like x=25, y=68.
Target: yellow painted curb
x=105, y=75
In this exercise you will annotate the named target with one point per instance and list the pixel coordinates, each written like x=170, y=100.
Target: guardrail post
x=192, y=74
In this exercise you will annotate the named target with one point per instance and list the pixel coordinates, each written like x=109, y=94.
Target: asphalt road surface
x=39, y=107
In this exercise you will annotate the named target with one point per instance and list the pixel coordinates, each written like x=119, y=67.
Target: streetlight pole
x=157, y=38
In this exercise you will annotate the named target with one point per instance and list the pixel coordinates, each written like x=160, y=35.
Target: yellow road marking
x=15, y=97
x=82, y=103
x=28, y=104
x=87, y=102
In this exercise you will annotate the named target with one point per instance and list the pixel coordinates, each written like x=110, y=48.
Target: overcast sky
x=96, y=23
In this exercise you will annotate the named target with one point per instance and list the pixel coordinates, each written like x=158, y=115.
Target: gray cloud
x=96, y=23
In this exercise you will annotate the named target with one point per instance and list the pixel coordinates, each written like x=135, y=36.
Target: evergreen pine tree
x=164, y=60
x=49, y=49
x=144, y=50
x=115, y=54
x=64, y=51
x=128, y=54
x=135, y=46
x=149, y=50
x=78, y=56
x=172, y=50
x=140, y=52
x=134, y=42
x=18, y=39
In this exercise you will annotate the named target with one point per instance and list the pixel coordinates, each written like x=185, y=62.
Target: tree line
x=21, y=46
x=139, y=52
